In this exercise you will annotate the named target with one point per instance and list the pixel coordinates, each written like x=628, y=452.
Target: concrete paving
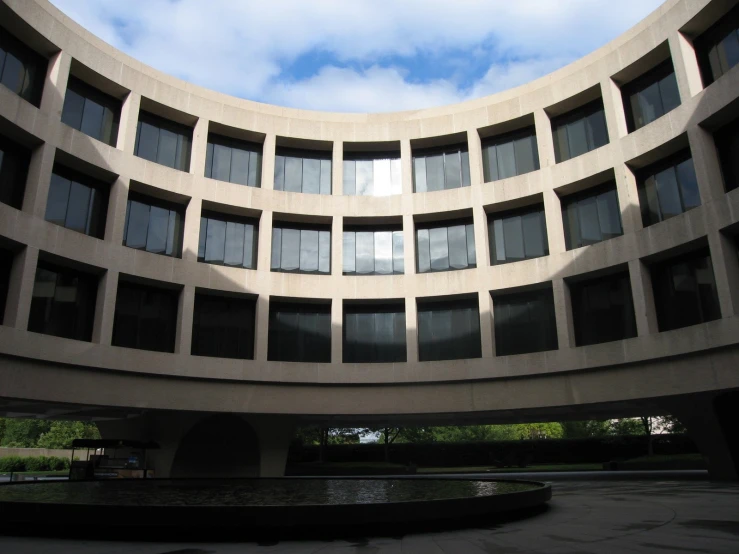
x=655, y=516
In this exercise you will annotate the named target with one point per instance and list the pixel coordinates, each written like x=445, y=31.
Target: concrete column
x=199, y=147
x=38, y=180
x=643, y=295
x=486, y=324
x=411, y=329
x=275, y=434
x=628, y=199
x=555, y=227
x=262, y=329
x=544, y=138
x=55, y=85
x=409, y=245
x=482, y=250
x=268, y=162
x=129, y=123
x=264, y=242
x=191, y=230
x=707, y=164
x=337, y=168
x=474, y=144
x=726, y=272
x=337, y=342
x=337, y=245
x=685, y=62
x=102, y=330
x=20, y=288
x=613, y=106
x=185, y=308
x=115, y=222
x=563, y=314
x=406, y=166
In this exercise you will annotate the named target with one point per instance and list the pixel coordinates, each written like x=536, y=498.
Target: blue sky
x=357, y=55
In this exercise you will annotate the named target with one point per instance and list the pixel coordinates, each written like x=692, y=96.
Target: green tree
x=585, y=429
x=62, y=433
x=24, y=433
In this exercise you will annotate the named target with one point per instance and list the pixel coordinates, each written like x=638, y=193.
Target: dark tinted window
x=223, y=327
x=163, y=141
x=299, y=332
x=603, y=309
x=77, y=202
x=443, y=246
x=228, y=240
x=91, y=111
x=374, y=333
x=727, y=143
x=591, y=216
x=301, y=248
x=306, y=171
x=63, y=302
x=518, y=235
x=6, y=264
x=14, y=160
x=367, y=251
x=651, y=96
x=524, y=322
x=442, y=168
x=21, y=69
x=233, y=160
x=375, y=174
x=510, y=155
x=449, y=330
x=685, y=291
x=145, y=317
x=668, y=188
x=579, y=131
x=153, y=225
x=718, y=47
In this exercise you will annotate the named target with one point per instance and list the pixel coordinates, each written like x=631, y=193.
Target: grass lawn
x=659, y=458
x=38, y=473
x=492, y=469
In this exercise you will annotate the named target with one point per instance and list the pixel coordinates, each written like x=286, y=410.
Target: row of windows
x=63, y=304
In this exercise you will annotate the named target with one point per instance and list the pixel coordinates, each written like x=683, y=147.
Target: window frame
x=583, y=112
x=20, y=160
x=228, y=218
x=182, y=132
x=391, y=156
x=467, y=222
x=547, y=327
x=462, y=148
x=34, y=66
x=424, y=305
x=656, y=75
x=89, y=93
x=705, y=43
x=172, y=207
x=303, y=154
x=232, y=308
x=511, y=137
x=350, y=353
x=99, y=187
x=592, y=192
x=317, y=353
x=650, y=172
x=281, y=225
x=392, y=229
x=214, y=139
x=509, y=214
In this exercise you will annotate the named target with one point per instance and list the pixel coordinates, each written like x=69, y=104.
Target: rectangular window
x=91, y=111
x=374, y=333
x=299, y=332
x=685, y=291
x=441, y=168
x=163, y=141
x=449, y=330
x=145, y=317
x=223, y=327
x=233, y=160
x=22, y=70
x=524, y=322
x=6, y=265
x=727, y=144
x=603, y=309
x=301, y=248
x=14, y=161
x=650, y=96
x=307, y=171
x=518, y=235
x=668, y=188
x=153, y=225
x=63, y=302
x=228, y=240
x=77, y=202
x=509, y=155
x=591, y=216
x=376, y=174
x=445, y=245
x=718, y=47
x=579, y=131
x=370, y=251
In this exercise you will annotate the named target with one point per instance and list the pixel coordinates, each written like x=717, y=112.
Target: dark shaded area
x=727, y=144
x=299, y=332
x=524, y=322
x=374, y=333
x=145, y=317
x=727, y=413
x=6, y=264
x=717, y=48
x=591, y=216
x=223, y=326
x=448, y=330
x=22, y=70
x=14, y=161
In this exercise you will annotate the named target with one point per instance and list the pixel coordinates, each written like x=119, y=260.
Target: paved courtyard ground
x=669, y=513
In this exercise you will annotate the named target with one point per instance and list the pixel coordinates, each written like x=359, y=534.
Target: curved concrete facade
x=628, y=374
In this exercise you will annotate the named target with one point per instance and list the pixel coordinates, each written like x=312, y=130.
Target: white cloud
x=240, y=47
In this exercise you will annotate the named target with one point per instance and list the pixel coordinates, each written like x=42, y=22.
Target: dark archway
x=726, y=407
x=218, y=446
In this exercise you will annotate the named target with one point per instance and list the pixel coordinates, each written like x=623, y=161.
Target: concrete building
x=208, y=272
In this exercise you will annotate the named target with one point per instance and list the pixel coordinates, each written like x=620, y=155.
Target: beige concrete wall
x=449, y=384
x=61, y=453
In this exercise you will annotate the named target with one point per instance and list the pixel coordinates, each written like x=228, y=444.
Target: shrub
x=12, y=463
x=33, y=463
